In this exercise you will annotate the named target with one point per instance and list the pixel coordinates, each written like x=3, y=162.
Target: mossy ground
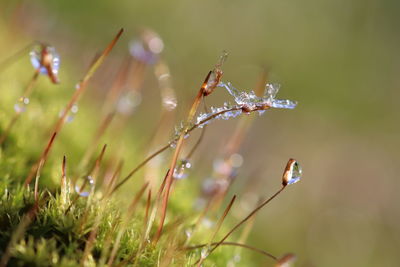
x=59, y=231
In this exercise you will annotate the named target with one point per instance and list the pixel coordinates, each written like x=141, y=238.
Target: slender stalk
x=219, y=224
x=247, y=218
x=237, y=245
x=179, y=146
x=81, y=87
x=162, y=149
x=41, y=163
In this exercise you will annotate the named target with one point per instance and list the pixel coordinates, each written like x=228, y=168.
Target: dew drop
x=128, y=102
x=204, y=252
x=292, y=173
x=84, y=187
x=181, y=171
x=20, y=106
x=172, y=144
x=147, y=48
x=48, y=53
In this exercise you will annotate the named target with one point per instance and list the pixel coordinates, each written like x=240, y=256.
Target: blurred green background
x=339, y=59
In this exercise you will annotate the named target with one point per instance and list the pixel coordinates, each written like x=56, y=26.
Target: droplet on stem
x=128, y=102
x=292, y=173
x=147, y=48
x=84, y=187
x=20, y=106
x=181, y=171
x=45, y=58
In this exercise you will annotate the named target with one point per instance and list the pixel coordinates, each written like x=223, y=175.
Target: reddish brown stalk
x=219, y=224
x=179, y=146
x=46, y=59
x=64, y=163
x=203, y=132
x=93, y=174
x=117, y=86
x=135, y=201
x=237, y=245
x=41, y=164
x=137, y=168
x=81, y=87
x=96, y=166
x=148, y=203
x=109, y=115
x=110, y=185
x=99, y=133
x=247, y=218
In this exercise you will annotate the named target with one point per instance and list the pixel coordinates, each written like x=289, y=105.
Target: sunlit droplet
x=181, y=171
x=20, y=106
x=204, y=252
x=84, y=187
x=147, y=48
x=42, y=53
x=292, y=173
x=128, y=102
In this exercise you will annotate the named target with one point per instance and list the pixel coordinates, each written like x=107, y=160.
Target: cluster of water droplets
x=225, y=112
x=181, y=170
x=245, y=102
x=179, y=129
x=252, y=101
x=40, y=51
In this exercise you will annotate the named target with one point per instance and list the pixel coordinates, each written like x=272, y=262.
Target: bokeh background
x=339, y=59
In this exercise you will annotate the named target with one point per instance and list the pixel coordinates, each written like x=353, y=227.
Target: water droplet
x=251, y=101
x=292, y=173
x=189, y=232
x=204, y=252
x=147, y=48
x=207, y=222
x=84, y=187
x=236, y=160
x=42, y=53
x=271, y=90
x=172, y=144
x=128, y=102
x=181, y=171
x=20, y=106
x=169, y=103
x=74, y=108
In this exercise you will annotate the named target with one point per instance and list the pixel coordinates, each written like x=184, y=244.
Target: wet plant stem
x=251, y=214
x=81, y=87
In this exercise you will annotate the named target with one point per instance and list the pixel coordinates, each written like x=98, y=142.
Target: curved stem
x=138, y=167
x=237, y=245
x=248, y=217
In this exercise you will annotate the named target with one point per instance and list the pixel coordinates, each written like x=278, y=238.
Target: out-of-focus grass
x=337, y=58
